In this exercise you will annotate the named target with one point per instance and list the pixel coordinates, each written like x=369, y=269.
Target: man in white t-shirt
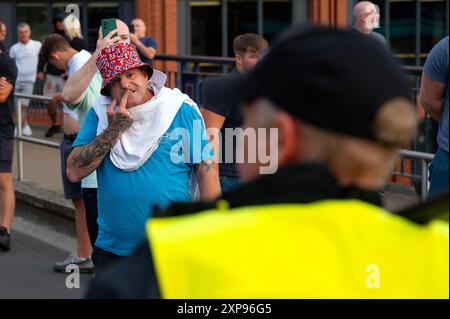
x=80, y=90
x=26, y=54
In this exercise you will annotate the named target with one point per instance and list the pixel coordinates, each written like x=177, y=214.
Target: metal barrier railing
x=425, y=159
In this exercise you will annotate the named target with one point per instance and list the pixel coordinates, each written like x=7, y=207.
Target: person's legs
x=52, y=111
x=25, y=88
x=73, y=191
x=84, y=247
x=51, y=87
x=439, y=173
x=90, y=202
x=7, y=199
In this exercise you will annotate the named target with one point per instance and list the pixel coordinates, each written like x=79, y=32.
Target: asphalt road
x=37, y=243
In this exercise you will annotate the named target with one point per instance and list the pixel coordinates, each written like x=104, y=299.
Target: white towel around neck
x=150, y=121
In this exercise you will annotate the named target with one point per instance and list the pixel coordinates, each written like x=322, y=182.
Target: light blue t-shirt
x=127, y=198
x=436, y=67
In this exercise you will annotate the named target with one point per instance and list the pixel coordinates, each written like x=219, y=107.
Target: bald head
x=366, y=16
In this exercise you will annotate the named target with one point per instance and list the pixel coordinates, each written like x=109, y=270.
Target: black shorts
x=71, y=190
x=6, y=155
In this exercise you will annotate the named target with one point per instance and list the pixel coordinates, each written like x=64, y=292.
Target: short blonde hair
x=72, y=27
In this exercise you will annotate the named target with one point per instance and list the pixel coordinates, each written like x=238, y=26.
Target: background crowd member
x=8, y=75
x=248, y=50
x=434, y=98
x=72, y=31
x=146, y=46
x=315, y=228
x=26, y=54
x=366, y=18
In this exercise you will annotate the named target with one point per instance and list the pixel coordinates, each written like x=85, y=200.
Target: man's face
x=371, y=17
x=134, y=80
x=139, y=28
x=247, y=61
x=2, y=32
x=24, y=35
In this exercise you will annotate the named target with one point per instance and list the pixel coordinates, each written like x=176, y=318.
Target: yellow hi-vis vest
x=326, y=249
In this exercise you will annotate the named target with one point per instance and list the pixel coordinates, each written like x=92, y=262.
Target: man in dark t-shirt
x=366, y=18
x=146, y=46
x=228, y=117
x=8, y=75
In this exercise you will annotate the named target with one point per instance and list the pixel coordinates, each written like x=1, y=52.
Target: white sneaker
x=26, y=130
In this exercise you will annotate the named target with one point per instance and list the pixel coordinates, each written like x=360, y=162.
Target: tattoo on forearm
x=120, y=122
x=89, y=153
x=98, y=148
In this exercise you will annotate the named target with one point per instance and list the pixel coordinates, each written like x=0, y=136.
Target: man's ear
x=238, y=59
x=289, y=136
x=55, y=56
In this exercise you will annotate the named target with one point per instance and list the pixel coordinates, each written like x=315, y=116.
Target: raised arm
x=148, y=51
x=78, y=82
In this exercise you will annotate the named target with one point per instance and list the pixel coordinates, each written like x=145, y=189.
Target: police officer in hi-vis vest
x=340, y=104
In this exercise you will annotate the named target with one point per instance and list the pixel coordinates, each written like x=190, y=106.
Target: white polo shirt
x=26, y=56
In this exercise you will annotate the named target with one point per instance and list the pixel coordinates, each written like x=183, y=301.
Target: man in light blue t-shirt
x=434, y=98
x=144, y=140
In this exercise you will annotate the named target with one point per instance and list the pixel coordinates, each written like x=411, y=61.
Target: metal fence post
x=424, y=180
x=19, y=142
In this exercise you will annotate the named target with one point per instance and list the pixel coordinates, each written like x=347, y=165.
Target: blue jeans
x=229, y=183
x=438, y=173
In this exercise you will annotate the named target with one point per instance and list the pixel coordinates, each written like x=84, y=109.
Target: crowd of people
x=160, y=213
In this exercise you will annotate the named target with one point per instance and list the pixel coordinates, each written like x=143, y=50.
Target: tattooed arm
x=78, y=82
x=208, y=180
x=83, y=160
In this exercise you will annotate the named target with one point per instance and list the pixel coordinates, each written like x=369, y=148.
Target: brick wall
x=329, y=12
x=160, y=16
